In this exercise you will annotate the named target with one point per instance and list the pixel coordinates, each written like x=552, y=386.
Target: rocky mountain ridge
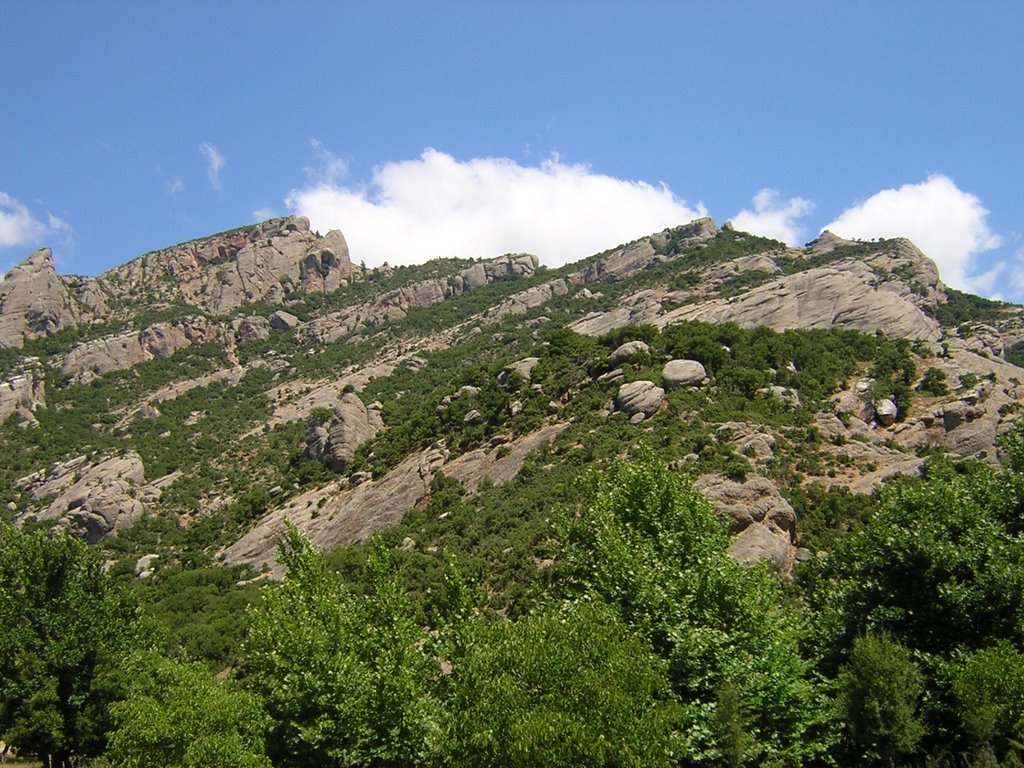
x=263, y=360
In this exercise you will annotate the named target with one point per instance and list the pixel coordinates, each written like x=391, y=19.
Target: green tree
x=64, y=630
x=653, y=548
x=938, y=566
x=989, y=689
x=879, y=689
x=344, y=678
x=565, y=686
x=933, y=382
x=179, y=716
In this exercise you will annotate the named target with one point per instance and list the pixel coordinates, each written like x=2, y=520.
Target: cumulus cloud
x=214, y=163
x=774, y=217
x=329, y=170
x=435, y=205
x=948, y=224
x=18, y=225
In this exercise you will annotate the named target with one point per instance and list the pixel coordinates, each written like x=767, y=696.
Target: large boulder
x=352, y=425
x=93, y=500
x=284, y=321
x=520, y=369
x=625, y=352
x=682, y=373
x=759, y=543
x=886, y=412
x=639, y=397
x=755, y=500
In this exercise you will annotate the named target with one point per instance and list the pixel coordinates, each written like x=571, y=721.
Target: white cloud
x=948, y=224
x=214, y=163
x=175, y=186
x=435, y=205
x=18, y=226
x=331, y=170
x=773, y=217
x=262, y=214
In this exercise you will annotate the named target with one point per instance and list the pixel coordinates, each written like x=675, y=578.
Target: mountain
x=181, y=407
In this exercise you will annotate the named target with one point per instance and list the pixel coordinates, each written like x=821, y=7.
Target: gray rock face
x=251, y=329
x=522, y=302
x=856, y=292
x=352, y=425
x=216, y=274
x=631, y=259
x=395, y=304
x=473, y=467
x=94, y=500
x=682, y=373
x=222, y=272
x=326, y=266
x=284, y=321
x=34, y=301
x=25, y=391
x=755, y=500
x=763, y=522
x=748, y=439
x=493, y=270
x=335, y=515
x=625, y=351
x=117, y=353
x=842, y=295
x=639, y=397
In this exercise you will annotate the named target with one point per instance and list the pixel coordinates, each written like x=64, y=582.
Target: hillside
x=672, y=449
x=229, y=383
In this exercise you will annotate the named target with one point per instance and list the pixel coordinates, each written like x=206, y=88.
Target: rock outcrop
x=895, y=289
x=763, y=523
x=683, y=373
x=216, y=274
x=35, y=302
x=23, y=392
x=125, y=350
x=352, y=425
x=636, y=397
x=846, y=294
x=93, y=500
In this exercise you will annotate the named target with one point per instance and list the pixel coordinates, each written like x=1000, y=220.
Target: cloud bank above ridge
x=948, y=224
x=436, y=205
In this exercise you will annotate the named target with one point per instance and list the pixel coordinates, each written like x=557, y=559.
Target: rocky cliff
x=217, y=275
x=257, y=376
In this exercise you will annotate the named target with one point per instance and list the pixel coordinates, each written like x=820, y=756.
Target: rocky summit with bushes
x=700, y=499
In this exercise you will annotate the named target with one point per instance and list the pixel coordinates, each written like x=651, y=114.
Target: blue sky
x=562, y=128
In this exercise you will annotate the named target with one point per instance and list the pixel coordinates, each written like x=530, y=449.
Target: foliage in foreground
x=651, y=647
x=654, y=549
x=178, y=715
x=64, y=629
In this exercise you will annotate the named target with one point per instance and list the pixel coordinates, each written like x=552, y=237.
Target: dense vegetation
x=647, y=646
x=584, y=613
